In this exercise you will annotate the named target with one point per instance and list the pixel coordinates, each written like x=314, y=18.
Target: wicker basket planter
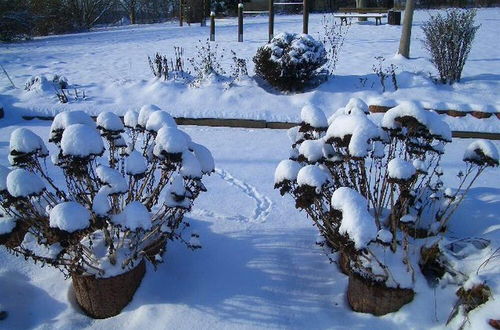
x=367, y=296
x=101, y=298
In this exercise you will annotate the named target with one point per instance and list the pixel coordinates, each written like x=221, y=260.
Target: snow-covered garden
x=248, y=228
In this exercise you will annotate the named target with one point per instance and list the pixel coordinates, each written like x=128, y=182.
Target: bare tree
x=87, y=12
x=131, y=7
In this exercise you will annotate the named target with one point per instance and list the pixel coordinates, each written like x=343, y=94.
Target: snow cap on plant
x=159, y=119
x=482, y=152
x=23, y=145
x=65, y=119
x=314, y=117
x=131, y=119
x=81, y=141
x=109, y=122
x=69, y=217
x=144, y=113
x=22, y=183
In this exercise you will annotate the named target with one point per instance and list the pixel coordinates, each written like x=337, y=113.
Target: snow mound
x=357, y=222
x=481, y=151
x=135, y=216
x=356, y=106
x=158, y=119
x=358, y=128
x=286, y=170
x=22, y=183
x=400, y=169
x=313, y=116
x=204, y=156
x=65, y=119
x=144, y=113
x=171, y=140
x=114, y=182
x=100, y=204
x=429, y=119
x=312, y=175
x=22, y=140
x=81, y=141
x=69, y=216
x=191, y=167
x=131, y=119
x=312, y=150
x=110, y=122
x=135, y=163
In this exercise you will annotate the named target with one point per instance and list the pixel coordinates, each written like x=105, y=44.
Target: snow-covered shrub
x=207, y=64
x=117, y=188
x=46, y=83
x=163, y=67
x=449, y=39
x=373, y=190
x=290, y=61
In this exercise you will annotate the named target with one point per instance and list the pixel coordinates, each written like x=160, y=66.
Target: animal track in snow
x=262, y=203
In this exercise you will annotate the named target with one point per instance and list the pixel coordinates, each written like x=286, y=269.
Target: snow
x=286, y=170
x=100, y=204
x=384, y=236
x=356, y=222
x=480, y=148
x=312, y=175
x=313, y=116
x=109, y=121
x=158, y=119
x=360, y=129
x=191, y=167
x=131, y=118
x=259, y=267
x=145, y=112
x=135, y=216
x=429, y=119
x=177, y=186
x=204, y=156
x=135, y=163
x=22, y=183
x=356, y=106
x=171, y=140
x=408, y=218
x=400, y=169
x=7, y=224
x=114, y=182
x=65, y=119
x=23, y=140
x=69, y=216
x=312, y=149
x=81, y=141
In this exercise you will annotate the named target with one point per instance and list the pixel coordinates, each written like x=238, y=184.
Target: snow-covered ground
x=259, y=266
x=110, y=66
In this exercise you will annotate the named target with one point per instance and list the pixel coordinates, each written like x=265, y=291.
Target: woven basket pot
x=101, y=298
x=367, y=296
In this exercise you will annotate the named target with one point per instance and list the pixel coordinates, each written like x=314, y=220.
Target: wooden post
x=271, y=19
x=212, y=26
x=181, y=5
x=204, y=14
x=305, y=23
x=240, y=22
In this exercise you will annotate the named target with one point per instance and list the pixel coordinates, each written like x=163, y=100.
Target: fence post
x=305, y=24
x=240, y=22
x=271, y=19
x=212, y=26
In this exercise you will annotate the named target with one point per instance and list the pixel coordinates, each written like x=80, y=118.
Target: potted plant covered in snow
x=110, y=197
x=374, y=190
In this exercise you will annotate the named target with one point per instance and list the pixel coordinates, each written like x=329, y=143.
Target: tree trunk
x=132, y=16
x=404, y=43
x=361, y=4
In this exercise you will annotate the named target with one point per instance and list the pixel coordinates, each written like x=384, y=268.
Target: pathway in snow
x=262, y=203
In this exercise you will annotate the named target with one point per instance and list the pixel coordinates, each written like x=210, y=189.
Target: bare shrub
x=449, y=39
x=333, y=38
x=383, y=72
x=163, y=67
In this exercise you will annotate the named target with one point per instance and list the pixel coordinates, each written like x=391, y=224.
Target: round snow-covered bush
x=126, y=188
x=290, y=61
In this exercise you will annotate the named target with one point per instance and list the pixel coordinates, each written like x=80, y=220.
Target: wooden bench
x=377, y=13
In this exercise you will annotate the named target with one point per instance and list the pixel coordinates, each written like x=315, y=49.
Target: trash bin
x=394, y=17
